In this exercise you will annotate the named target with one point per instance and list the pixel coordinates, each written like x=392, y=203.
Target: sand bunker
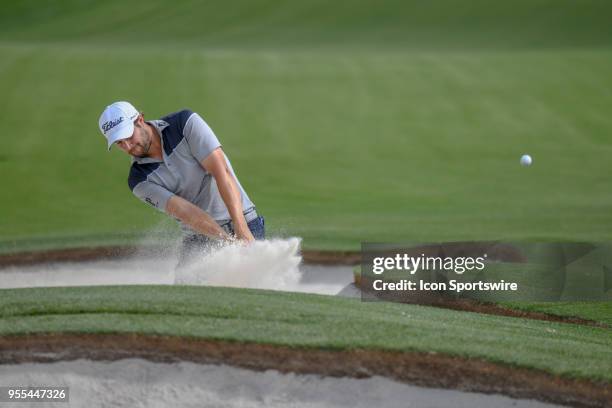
x=140, y=383
x=274, y=264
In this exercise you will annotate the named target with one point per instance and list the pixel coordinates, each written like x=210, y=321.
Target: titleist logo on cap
x=111, y=124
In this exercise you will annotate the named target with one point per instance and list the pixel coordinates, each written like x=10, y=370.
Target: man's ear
x=139, y=121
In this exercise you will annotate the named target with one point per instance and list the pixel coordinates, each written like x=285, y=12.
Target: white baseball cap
x=117, y=121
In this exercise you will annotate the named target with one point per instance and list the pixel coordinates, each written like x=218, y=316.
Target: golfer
x=179, y=167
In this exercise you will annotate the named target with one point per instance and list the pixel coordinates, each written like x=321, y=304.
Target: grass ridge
x=295, y=319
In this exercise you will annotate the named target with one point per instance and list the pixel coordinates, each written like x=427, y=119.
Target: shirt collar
x=159, y=125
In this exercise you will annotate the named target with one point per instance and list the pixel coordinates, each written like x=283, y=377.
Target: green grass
x=301, y=320
x=382, y=121
x=319, y=155
x=597, y=311
x=421, y=25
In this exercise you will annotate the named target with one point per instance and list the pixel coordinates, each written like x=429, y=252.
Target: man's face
x=139, y=143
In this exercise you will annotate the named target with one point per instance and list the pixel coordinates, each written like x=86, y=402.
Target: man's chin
x=140, y=153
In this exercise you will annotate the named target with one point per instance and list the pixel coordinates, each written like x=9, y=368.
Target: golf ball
x=526, y=160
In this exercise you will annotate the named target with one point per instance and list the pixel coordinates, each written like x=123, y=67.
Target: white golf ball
x=526, y=160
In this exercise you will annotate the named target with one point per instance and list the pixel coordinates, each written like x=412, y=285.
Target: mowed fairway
x=384, y=121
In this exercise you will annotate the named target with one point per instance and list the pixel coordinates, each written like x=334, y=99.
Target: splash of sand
x=270, y=264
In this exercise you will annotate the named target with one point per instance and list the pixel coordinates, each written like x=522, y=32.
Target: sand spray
x=270, y=264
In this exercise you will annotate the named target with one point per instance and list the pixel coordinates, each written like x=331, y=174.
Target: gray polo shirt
x=186, y=140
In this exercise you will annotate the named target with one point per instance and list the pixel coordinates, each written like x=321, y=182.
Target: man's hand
x=195, y=218
x=244, y=235
x=216, y=165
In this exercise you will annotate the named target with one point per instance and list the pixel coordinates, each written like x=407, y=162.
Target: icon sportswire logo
x=111, y=124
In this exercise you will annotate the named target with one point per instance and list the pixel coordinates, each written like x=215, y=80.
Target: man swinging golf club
x=179, y=167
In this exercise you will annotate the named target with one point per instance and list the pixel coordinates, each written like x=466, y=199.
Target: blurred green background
x=345, y=121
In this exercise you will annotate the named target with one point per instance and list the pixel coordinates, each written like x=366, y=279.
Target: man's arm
x=195, y=218
x=216, y=165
